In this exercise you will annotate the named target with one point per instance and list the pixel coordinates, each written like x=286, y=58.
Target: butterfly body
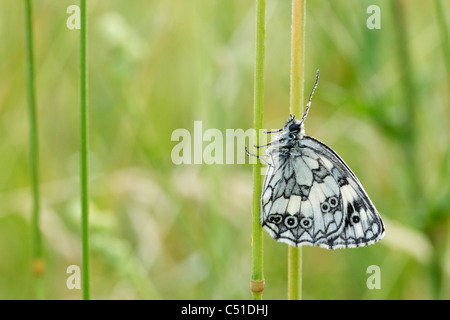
x=311, y=197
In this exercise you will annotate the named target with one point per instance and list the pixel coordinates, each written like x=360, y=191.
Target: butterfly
x=310, y=196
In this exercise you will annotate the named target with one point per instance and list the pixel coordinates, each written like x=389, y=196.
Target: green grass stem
x=257, y=277
x=37, y=260
x=85, y=274
x=295, y=107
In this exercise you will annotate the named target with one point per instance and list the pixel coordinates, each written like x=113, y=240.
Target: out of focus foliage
x=166, y=231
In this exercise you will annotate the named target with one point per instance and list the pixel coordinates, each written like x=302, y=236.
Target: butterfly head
x=292, y=131
x=294, y=127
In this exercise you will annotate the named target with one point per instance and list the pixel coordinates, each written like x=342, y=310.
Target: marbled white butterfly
x=311, y=197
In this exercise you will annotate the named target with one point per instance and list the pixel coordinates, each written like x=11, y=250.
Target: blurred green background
x=162, y=231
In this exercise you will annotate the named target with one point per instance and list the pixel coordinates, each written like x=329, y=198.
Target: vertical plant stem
x=297, y=56
x=296, y=96
x=85, y=281
x=294, y=272
x=257, y=277
x=37, y=261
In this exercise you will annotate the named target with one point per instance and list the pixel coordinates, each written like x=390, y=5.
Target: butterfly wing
x=363, y=224
x=301, y=200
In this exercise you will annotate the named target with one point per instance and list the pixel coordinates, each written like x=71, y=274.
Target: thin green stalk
x=37, y=262
x=296, y=96
x=294, y=273
x=85, y=274
x=257, y=278
x=297, y=56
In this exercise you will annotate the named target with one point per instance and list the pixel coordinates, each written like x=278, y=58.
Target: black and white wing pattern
x=363, y=224
x=301, y=201
x=311, y=197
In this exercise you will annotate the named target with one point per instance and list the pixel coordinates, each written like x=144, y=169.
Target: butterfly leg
x=273, y=131
x=254, y=155
x=266, y=145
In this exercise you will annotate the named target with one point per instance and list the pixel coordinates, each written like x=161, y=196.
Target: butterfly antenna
x=308, y=105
